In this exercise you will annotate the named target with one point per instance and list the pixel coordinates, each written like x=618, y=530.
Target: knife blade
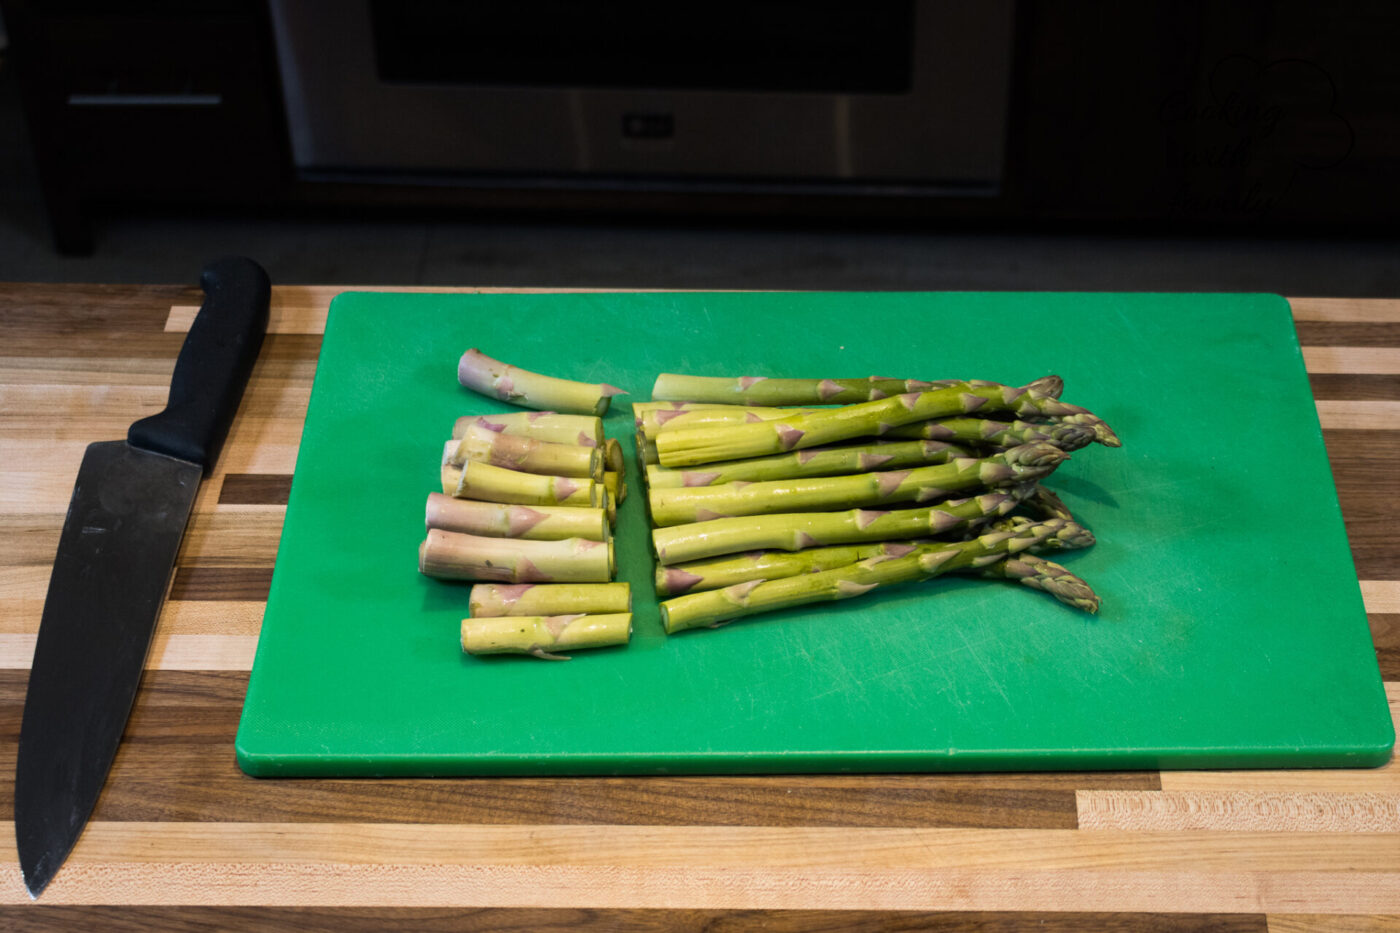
x=116, y=553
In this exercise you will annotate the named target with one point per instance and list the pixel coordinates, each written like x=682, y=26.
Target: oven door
x=905, y=95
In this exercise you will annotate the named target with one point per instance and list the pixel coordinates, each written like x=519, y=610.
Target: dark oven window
x=718, y=45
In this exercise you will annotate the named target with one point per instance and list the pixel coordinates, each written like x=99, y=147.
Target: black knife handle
x=213, y=365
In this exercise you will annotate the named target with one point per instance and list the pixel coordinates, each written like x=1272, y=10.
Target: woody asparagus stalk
x=481, y=373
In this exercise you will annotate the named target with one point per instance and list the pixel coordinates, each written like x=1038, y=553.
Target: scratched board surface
x=1232, y=632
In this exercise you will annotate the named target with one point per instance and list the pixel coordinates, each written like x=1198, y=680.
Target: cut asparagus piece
x=545, y=636
x=694, y=610
x=693, y=446
x=450, y=555
x=797, y=530
x=548, y=599
x=526, y=454
x=719, y=572
x=495, y=379
x=816, y=461
x=616, y=485
x=488, y=483
x=984, y=432
x=583, y=430
x=505, y=520
x=1023, y=464
x=612, y=455
x=646, y=450
x=1048, y=577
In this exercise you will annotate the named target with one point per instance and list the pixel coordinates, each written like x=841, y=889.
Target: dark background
x=1167, y=146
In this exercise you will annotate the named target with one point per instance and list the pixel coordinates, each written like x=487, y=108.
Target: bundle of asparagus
x=767, y=493
x=528, y=501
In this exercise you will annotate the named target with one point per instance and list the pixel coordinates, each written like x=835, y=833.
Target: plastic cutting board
x=1232, y=632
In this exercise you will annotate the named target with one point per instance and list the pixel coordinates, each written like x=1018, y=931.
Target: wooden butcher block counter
x=182, y=838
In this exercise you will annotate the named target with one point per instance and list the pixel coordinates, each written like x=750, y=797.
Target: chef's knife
x=130, y=504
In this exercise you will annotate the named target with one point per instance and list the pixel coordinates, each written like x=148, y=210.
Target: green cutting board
x=1232, y=632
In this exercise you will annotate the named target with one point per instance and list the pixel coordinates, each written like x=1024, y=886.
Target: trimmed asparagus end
x=548, y=599
x=544, y=636
x=505, y=520
x=450, y=555
x=492, y=378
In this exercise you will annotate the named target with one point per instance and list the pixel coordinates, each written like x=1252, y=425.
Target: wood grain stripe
x=1364, y=416
x=177, y=617
x=1381, y=595
x=1352, y=359
x=1368, y=310
x=255, y=489
x=359, y=865
x=282, y=319
x=1385, y=635
x=1348, y=387
x=246, y=537
x=1156, y=811
x=168, y=652
x=1333, y=923
x=302, y=309
x=1366, y=478
x=1374, y=416
x=196, y=779
x=1349, y=334
x=134, y=919
x=221, y=583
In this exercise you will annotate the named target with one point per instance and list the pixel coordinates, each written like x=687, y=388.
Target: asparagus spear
x=694, y=610
x=797, y=530
x=640, y=408
x=544, y=636
x=583, y=430
x=732, y=442
x=526, y=454
x=450, y=555
x=718, y=572
x=488, y=483
x=815, y=461
x=481, y=373
x=1103, y=434
x=1047, y=576
x=547, y=599
x=1050, y=386
x=653, y=423
x=762, y=390
x=1042, y=503
x=505, y=520
x=984, y=432
x=1027, y=463
x=1069, y=535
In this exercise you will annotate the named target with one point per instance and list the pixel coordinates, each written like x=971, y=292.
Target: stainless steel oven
x=879, y=95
